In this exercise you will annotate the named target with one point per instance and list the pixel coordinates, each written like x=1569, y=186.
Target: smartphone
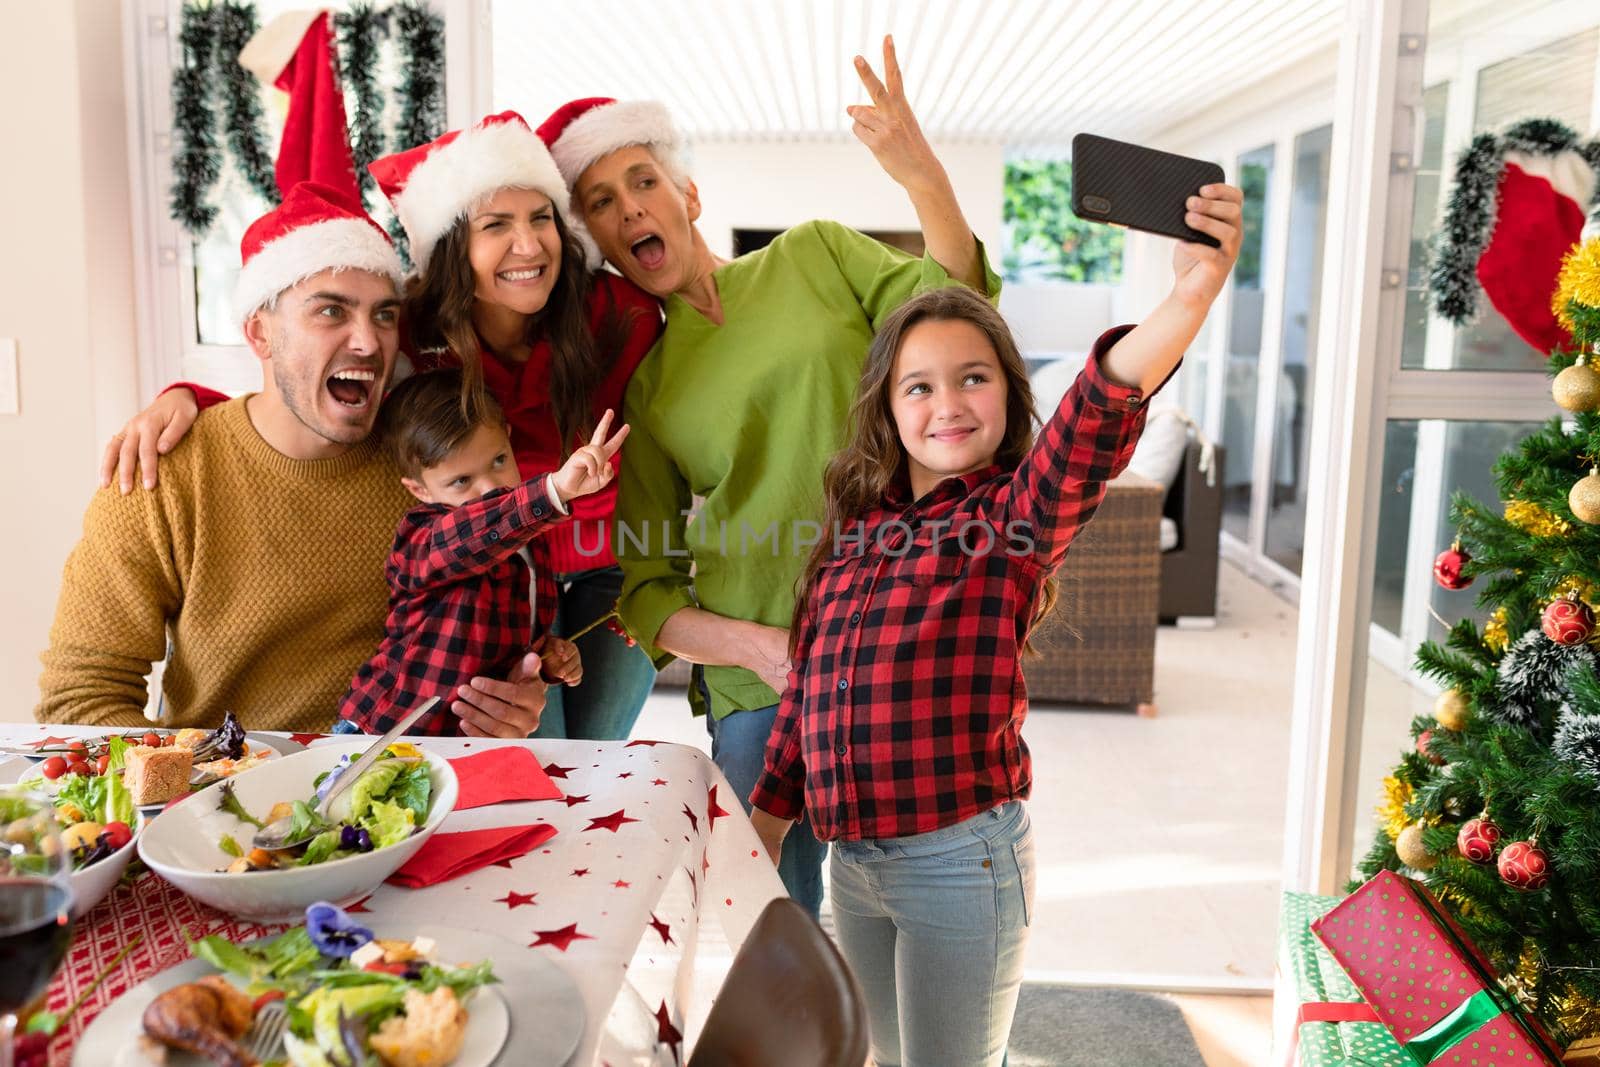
x=1137, y=187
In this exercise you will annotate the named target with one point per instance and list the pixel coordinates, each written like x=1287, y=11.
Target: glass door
x=1242, y=360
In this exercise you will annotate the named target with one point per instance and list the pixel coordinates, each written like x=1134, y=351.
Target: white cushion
x=1051, y=382
x=1169, y=533
x=1159, y=453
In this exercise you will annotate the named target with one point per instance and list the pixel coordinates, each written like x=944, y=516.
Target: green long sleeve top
x=746, y=415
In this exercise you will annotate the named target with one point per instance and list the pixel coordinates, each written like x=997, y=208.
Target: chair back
x=789, y=1000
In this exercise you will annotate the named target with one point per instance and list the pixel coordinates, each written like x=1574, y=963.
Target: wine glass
x=35, y=904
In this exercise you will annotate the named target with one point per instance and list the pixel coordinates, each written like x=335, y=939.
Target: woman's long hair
x=439, y=312
x=873, y=460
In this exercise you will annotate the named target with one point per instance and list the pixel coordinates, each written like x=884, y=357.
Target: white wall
x=66, y=296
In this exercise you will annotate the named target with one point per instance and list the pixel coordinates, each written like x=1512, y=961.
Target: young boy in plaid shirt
x=468, y=594
x=899, y=733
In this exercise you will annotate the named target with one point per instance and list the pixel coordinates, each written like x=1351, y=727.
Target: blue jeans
x=934, y=926
x=739, y=747
x=616, y=677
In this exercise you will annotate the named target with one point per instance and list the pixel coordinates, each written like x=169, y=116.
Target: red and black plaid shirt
x=904, y=709
x=458, y=605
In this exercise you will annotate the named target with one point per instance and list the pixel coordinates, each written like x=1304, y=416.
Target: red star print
x=612, y=822
x=659, y=781
x=662, y=928
x=516, y=900
x=625, y=774
x=306, y=739
x=559, y=938
x=576, y=800
x=713, y=809
x=694, y=822
x=360, y=906
x=705, y=862
x=555, y=770
x=620, y=884
x=51, y=740
x=632, y=744
x=579, y=872
x=666, y=1033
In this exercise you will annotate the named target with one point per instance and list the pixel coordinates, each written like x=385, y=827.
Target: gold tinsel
x=1494, y=631
x=1392, y=812
x=1530, y=518
x=1578, y=1016
x=1579, y=281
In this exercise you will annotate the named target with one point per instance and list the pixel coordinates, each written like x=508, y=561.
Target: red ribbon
x=1336, y=1013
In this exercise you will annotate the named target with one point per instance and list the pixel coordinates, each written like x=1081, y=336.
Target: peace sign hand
x=588, y=470
x=887, y=126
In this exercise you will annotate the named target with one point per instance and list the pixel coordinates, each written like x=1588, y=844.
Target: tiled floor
x=1160, y=840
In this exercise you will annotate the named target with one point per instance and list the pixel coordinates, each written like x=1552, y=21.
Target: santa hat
x=433, y=185
x=316, y=228
x=1517, y=207
x=583, y=131
x=295, y=52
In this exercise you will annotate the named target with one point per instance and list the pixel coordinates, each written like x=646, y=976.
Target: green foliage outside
x=1045, y=241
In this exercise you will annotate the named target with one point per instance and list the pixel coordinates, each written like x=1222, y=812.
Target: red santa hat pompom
x=433, y=185
x=316, y=228
x=583, y=131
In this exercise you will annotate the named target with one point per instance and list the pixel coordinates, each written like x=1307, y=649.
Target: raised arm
x=889, y=129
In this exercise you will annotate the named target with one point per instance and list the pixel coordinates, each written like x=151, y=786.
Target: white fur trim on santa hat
x=273, y=45
x=1567, y=172
x=603, y=129
x=444, y=186
x=337, y=244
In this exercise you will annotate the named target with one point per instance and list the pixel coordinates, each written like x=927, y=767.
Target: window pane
x=1244, y=344
x=1302, y=289
x=1425, y=209
x=1044, y=240
x=1394, y=523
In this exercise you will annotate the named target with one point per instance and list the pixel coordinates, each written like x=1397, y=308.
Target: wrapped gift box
x=1332, y=1025
x=1427, y=983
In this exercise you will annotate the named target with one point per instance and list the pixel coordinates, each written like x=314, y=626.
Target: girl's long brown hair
x=439, y=312
x=873, y=460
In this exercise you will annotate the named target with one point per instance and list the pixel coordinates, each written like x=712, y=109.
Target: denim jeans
x=616, y=676
x=934, y=926
x=739, y=748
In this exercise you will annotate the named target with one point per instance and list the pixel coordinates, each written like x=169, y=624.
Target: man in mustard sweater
x=259, y=555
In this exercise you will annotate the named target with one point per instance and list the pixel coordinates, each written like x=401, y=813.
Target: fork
x=264, y=1041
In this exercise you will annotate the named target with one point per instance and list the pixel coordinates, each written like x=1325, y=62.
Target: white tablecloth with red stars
x=652, y=857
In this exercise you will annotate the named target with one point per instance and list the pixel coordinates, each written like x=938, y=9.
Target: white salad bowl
x=183, y=844
x=91, y=884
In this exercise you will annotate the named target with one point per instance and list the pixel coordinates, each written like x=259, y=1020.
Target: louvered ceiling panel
x=1028, y=73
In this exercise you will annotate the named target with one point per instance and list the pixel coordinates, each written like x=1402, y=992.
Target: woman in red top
x=503, y=290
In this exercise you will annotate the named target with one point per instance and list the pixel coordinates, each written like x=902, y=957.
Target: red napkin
x=499, y=775
x=448, y=856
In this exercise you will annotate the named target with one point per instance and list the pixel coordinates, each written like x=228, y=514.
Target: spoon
x=276, y=835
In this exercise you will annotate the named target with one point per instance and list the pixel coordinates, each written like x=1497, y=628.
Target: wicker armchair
x=1099, y=645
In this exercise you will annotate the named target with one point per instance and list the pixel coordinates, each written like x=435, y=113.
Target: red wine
x=34, y=932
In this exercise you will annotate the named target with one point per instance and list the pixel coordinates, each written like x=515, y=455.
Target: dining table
x=652, y=880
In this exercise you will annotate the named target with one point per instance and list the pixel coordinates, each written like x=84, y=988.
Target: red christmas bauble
x=1568, y=621
x=1525, y=866
x=1422, y=748
x=1477, y=840
x=1447, y=568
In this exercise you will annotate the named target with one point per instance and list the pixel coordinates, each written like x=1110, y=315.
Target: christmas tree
x=1497, y=806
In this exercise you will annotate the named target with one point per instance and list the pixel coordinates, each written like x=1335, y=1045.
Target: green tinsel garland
x=359, y=31
x=242, y=99
x=195, y=162
x=421, y=34
x=1470, y=212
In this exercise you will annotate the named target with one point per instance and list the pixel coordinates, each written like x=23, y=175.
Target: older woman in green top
x=744, y=398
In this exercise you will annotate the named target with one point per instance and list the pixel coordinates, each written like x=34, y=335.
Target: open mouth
x=650, y=251
x=352, y=387
x=519, y=276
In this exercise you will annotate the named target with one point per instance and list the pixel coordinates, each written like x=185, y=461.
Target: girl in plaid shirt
x=899, y=731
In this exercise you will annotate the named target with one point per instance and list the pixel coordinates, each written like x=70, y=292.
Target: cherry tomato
x=77, y=746
x=267, y=998
x=78, y=766
x=169, y=740
x=153, y=740
x=116, y=834
x=102, y=763
x=53, y=768
x=385, y=968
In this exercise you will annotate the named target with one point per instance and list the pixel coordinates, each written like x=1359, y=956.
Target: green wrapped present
x=1333, y=1026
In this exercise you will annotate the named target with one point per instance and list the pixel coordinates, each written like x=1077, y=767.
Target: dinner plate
x=544, y=1029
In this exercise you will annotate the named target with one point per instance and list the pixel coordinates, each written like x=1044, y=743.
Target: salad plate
x=544, y=1026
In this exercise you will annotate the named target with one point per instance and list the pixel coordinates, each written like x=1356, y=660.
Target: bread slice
x=156, y=775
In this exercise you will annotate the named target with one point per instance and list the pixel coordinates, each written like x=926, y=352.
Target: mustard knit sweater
x=266, y=571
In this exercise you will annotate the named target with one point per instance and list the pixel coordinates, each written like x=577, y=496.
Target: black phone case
x=1137, y=187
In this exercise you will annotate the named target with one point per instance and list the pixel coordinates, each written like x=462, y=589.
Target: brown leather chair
x=789, y=1000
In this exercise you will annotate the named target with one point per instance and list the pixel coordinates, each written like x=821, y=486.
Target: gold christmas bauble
x=1411, y=850
x=1584, y=499
x=1450, y=710
x=1577, y=388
